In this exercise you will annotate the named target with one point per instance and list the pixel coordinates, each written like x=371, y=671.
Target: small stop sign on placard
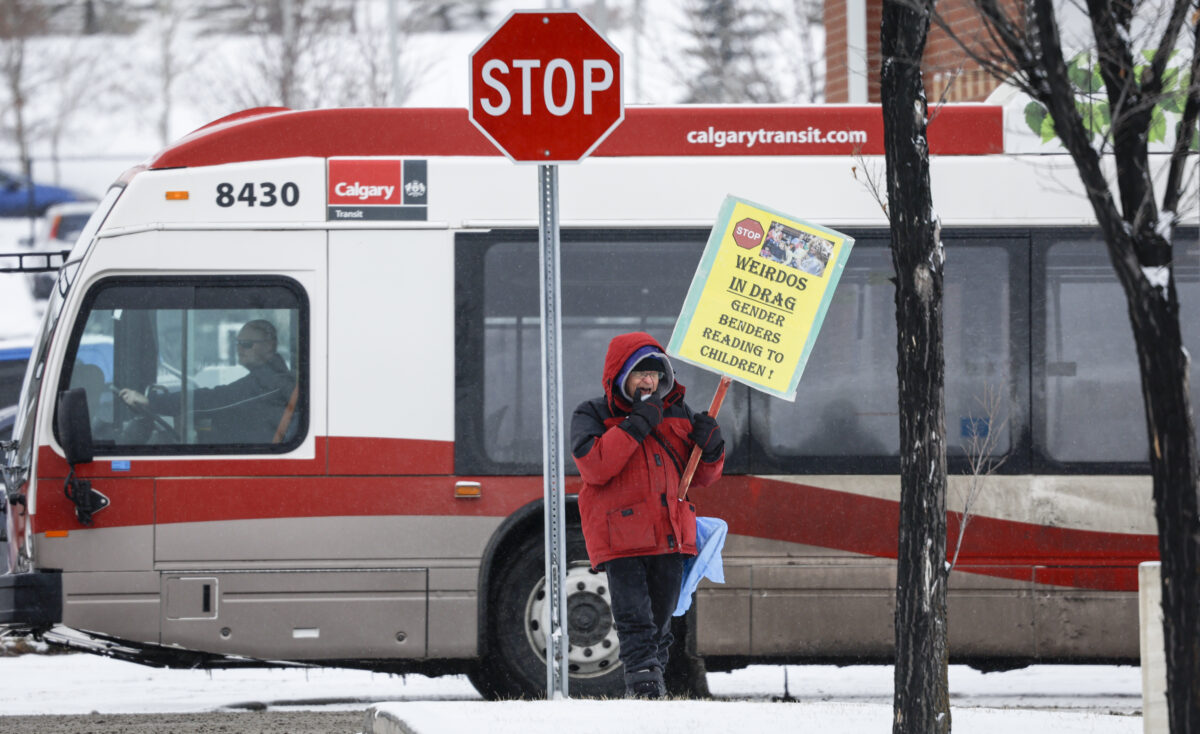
x=546, y=87
x=748, y=233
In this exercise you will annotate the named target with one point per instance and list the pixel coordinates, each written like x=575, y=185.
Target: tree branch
x=1183, y=135
x=1152, y=79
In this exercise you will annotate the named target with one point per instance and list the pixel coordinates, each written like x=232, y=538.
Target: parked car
x=13, y=357
x=8, y=417
x=58, y=230
x=15, y=193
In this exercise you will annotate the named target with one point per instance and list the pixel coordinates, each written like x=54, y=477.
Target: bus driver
x=248, y=410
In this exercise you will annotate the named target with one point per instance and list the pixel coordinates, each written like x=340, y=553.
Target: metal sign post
x=557, y=642
x=546, y=88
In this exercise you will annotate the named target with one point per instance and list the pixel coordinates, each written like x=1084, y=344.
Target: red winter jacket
x=629, y=500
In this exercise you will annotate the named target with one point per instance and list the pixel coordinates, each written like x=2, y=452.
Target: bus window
x=192, y=366
x=984, y=397
x=1093, y=407
x=846, y=401
x=845, y=414
x=612, y=282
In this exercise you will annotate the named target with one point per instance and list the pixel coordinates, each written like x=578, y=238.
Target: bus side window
x=845, y=405
x=189, y=366
x=607, y=290
x=1094, y=410
x=845, y=413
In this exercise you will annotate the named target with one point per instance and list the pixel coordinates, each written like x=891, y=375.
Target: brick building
x=852, y=53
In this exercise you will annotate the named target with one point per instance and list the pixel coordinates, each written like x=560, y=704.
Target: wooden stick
x=694, y=461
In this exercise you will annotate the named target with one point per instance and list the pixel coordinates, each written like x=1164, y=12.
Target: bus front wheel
x=515, y=666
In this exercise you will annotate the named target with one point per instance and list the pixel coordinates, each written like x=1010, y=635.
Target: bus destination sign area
x=377, y=189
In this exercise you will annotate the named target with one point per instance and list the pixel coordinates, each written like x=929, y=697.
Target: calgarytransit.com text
x=750, y=138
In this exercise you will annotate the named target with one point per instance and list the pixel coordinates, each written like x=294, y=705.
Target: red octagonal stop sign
x=546, y=86
x=748, y=233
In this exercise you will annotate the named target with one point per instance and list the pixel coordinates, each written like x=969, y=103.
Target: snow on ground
x=690, y=717
x=81, y=684
x=829, y=699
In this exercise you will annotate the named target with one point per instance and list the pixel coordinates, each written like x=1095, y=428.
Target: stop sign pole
x=546, y=89
x=558, y=642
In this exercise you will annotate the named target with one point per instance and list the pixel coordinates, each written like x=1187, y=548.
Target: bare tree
x=808, y=62
x=360, y=70
x=20, y=20
x=922, y=700
x=986, y=428
x=453, y=15
x=76, y=79
x=728, y=39
x=169, y=17
x=289, y=38
x=322, y=53
x=1025, y=41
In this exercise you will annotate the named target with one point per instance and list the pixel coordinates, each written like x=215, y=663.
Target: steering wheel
x=143, y=412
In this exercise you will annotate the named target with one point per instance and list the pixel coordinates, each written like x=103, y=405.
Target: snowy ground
x=689, y=717
x=832, y=700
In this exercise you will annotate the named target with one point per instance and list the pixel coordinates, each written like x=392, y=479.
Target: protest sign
x=759, y=296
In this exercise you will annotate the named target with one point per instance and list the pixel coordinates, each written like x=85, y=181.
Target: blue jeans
x=644, y=592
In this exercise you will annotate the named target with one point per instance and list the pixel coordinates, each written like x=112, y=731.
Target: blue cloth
x=710, y=539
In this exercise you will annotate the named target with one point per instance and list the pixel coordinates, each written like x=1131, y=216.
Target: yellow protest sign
x=759, y=296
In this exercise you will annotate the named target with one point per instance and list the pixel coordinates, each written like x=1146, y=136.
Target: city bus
x=386, y=513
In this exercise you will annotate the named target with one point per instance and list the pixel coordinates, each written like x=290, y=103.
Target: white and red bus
x=391, y=519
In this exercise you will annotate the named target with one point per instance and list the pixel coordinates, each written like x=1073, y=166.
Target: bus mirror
x=74, y=425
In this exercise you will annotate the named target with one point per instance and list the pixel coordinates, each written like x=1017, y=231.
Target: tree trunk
x=1173, y=464
x=922, y=701
x=1140, y=245
x=1136, y=246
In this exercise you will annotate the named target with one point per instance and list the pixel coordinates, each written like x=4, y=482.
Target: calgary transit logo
x=362, y=189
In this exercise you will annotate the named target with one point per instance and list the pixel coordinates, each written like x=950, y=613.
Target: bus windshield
x=18, y=456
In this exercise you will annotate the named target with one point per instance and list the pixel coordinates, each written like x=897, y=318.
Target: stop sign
x=546, y=86
x=748, y=233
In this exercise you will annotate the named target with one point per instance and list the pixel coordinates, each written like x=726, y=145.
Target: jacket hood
x=624, y=352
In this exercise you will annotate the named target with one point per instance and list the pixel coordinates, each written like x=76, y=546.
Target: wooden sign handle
x=694, y=461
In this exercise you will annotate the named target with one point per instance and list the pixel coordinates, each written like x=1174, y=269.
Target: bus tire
x=515, y=666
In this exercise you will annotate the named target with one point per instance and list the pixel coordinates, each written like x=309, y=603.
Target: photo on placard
x=796, y=249
x=814, y=254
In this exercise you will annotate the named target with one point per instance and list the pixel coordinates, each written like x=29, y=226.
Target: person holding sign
x=631, y=446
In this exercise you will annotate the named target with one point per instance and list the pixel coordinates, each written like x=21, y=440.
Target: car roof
x=71, y=207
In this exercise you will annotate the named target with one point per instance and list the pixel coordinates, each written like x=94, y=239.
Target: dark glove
x=645, y=416
x=707, y=435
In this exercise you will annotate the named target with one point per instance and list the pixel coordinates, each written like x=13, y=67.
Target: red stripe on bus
x=753, y=506
x=775, y=131
x=52, y=464
x=389, y=456
x=344, y=455
x=216, y=500
x=799, y=513
x=646, y=131
x=131, y=502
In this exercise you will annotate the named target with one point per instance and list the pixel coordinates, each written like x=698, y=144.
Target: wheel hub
x=594, y=649
x=589, y=618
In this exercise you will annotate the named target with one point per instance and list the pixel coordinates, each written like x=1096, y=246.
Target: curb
x=385, y=722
